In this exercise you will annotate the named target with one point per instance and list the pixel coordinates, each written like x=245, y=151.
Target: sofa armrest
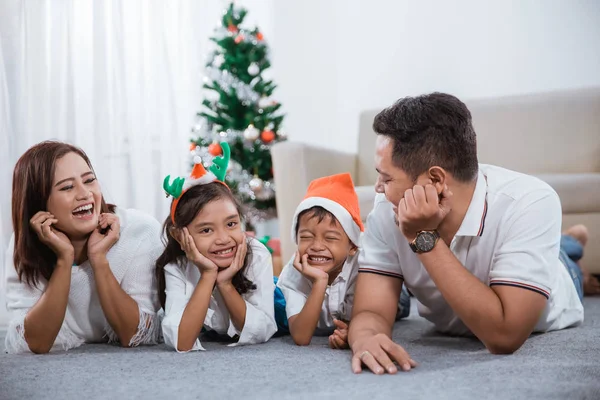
x=295, y=165
x=579, y=193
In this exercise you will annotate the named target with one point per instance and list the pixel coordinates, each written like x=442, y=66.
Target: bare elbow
x=301, y=341
x=40, y=349
x=504, y=347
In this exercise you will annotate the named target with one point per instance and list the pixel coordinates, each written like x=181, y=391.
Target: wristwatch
x=424, y=242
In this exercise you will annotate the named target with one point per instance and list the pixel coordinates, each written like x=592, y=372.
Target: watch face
x=425, y=241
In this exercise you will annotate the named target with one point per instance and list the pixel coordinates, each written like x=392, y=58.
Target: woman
x=78, y=270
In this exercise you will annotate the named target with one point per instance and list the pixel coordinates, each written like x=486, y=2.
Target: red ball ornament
x=259, y=36
x=192, y=146
x=238, y=39
x=232, y=28
x=267, y=136
x=215, y=149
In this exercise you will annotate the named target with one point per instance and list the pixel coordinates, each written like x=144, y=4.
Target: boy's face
x=325, y=242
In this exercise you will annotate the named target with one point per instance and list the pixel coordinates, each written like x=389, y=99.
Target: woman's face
x=75, y=198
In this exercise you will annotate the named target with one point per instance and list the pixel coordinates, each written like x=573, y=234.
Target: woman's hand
x=59, y=243
x=103, y=237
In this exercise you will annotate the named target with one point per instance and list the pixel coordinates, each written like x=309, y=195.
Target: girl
x=210, y=274
x=78, y=270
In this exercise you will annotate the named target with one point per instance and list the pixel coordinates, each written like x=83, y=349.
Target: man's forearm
x=475, y=303
x=367, y=323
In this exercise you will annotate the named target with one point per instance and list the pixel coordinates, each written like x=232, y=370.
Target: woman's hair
x=190, y=204
x=31, y=188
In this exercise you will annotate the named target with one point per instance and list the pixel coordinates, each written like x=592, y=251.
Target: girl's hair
x=190, y=204
x=31, y=188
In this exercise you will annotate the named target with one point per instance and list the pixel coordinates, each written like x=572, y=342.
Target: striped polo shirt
x=510, y=236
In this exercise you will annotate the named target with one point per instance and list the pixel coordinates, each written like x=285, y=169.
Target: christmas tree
x=239, y=109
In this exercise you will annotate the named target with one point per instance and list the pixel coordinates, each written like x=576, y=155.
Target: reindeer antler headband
x=199, y=176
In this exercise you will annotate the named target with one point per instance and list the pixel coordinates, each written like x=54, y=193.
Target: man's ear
x=438, y=177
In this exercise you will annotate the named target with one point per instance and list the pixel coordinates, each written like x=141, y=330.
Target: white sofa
x=555, y=136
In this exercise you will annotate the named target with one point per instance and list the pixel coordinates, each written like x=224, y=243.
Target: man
x=477, y=245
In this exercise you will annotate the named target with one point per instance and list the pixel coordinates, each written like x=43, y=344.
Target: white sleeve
x=530, y=245
x=139, y=283
x=377, y=255
x=260, y=307
x=20, y=297
x=295, y=289
x=177, y=299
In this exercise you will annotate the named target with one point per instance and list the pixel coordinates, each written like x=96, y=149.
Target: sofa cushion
x=579, y=193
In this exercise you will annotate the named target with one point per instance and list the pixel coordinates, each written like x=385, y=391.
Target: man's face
x=392, y=181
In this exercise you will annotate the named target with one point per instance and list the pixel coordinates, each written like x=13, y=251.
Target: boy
x=318, y=283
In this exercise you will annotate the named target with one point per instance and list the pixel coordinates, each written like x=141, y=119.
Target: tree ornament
x=259, y=36
x=238, y=39
x=251, y=133
x=267, y=136
x=192, y=146
x=256, y=184
x=232, y=28
x=215, y=149
x=253, y=69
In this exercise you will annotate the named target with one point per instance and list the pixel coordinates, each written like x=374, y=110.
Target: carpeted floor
x=559, y=365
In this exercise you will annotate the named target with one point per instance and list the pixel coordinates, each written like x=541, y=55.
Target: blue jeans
x=281, y=316
x=571, y=251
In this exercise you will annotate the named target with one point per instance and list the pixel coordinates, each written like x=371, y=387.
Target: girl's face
x=217, y=231
x=75, y=198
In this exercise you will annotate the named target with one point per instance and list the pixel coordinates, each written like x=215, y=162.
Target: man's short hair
x=430, y=130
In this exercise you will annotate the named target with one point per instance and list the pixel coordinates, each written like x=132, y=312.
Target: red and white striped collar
x=474, y=222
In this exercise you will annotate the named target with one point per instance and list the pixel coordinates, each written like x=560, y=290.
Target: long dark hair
x=190, y=204
x=31, y=188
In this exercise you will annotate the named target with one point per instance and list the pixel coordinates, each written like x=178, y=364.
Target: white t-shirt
x=339, y=296
x=131, y=261
x=510, y=236
x=260, y=316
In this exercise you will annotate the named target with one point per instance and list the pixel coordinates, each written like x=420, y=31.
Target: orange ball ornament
x=232, y=28
x=215, y=149
x=267, y=136
x=259, y=36
x=193, y=146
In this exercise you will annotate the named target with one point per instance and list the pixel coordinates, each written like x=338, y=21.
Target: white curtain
x=121, y=79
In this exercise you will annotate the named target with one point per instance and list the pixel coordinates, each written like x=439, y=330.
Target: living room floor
x=557, y=365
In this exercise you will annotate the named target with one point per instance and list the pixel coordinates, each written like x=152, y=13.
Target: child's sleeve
x=295, y=289
x=177, y=300
x=138, y=282
x=260, y=313
x=20, y=297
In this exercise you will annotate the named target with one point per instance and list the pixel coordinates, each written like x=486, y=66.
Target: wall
x=333, y=59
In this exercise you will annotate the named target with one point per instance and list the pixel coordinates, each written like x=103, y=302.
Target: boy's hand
x=339, y=338
x=310, y=272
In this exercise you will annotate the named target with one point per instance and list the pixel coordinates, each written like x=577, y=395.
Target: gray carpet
x=559, y=365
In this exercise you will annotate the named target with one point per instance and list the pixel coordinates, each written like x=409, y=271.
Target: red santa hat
x=335, y=194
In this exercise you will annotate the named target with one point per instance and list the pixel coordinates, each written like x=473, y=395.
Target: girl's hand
x=59, y=243
x=103, y=237
x=226, y=275
x=186, y=241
